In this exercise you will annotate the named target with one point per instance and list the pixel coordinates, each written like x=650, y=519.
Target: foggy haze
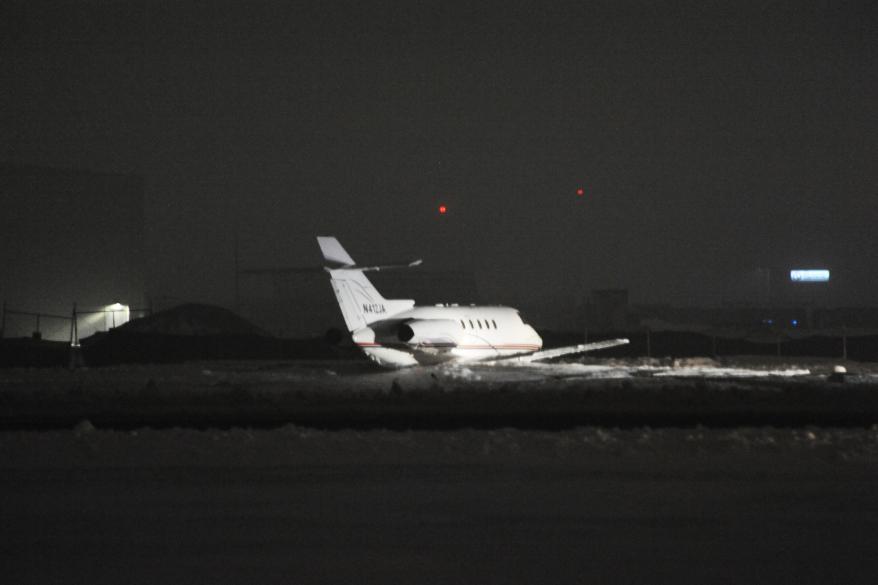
x=709, y=140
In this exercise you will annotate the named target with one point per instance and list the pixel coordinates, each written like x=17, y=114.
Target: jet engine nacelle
x=428, y=332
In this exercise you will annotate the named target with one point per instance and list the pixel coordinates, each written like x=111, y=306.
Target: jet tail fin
x=359, y=300
x=333, y=253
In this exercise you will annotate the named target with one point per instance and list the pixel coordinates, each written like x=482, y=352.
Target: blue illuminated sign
x=809, y=275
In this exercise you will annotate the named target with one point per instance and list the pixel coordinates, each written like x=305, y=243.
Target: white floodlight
x=116, y=314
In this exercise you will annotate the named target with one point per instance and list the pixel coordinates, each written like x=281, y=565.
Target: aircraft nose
x=534, y=337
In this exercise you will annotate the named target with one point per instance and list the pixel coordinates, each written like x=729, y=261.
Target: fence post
x=74, y=331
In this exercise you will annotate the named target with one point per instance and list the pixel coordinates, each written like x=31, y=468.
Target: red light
x=580, y=191
x=442, y=209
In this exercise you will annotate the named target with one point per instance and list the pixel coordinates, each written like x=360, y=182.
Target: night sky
x=710, y=138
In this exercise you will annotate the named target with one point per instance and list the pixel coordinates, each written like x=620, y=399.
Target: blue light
x=795, y=322
x=821, y=275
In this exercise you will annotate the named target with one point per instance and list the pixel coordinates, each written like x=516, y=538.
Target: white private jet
x=395, y=333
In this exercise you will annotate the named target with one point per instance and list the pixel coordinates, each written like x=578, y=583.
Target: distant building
x=68, y=236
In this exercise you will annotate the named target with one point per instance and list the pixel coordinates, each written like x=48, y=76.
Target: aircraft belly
x=427, y=356
x=404, y=355
x=468, y=354
x=388, y=357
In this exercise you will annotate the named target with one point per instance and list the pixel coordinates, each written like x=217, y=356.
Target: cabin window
x=495, y=323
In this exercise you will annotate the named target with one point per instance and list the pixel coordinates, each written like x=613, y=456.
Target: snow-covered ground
x=296, y=505
x=354, y=393
x=498, y=372
x=360, y=375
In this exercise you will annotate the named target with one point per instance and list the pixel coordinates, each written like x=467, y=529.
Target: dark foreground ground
x=617, y=472
x=294, y=505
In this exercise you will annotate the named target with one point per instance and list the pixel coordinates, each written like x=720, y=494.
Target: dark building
x=68, y=236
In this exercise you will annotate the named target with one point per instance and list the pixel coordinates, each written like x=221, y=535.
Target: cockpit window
x=462, y=324
x=495, y=323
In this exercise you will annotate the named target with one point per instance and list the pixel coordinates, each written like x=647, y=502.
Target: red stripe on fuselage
x=503, y=346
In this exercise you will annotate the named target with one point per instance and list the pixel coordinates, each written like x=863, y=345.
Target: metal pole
x=75, y=327
x=586, y=309
x=237, y=273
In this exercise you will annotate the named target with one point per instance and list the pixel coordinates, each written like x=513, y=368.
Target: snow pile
x=193, y=319
x=703, y=368
x=710, y=372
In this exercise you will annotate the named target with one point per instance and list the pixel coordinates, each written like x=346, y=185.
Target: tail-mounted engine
x=428, y=332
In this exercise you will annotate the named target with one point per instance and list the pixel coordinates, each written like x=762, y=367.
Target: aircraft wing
x=562, y=351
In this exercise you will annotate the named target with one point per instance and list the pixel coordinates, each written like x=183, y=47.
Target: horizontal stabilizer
x=569, y=350
x=319, y=269
x=360, y=302
x=411, y=264
x=285, y=270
